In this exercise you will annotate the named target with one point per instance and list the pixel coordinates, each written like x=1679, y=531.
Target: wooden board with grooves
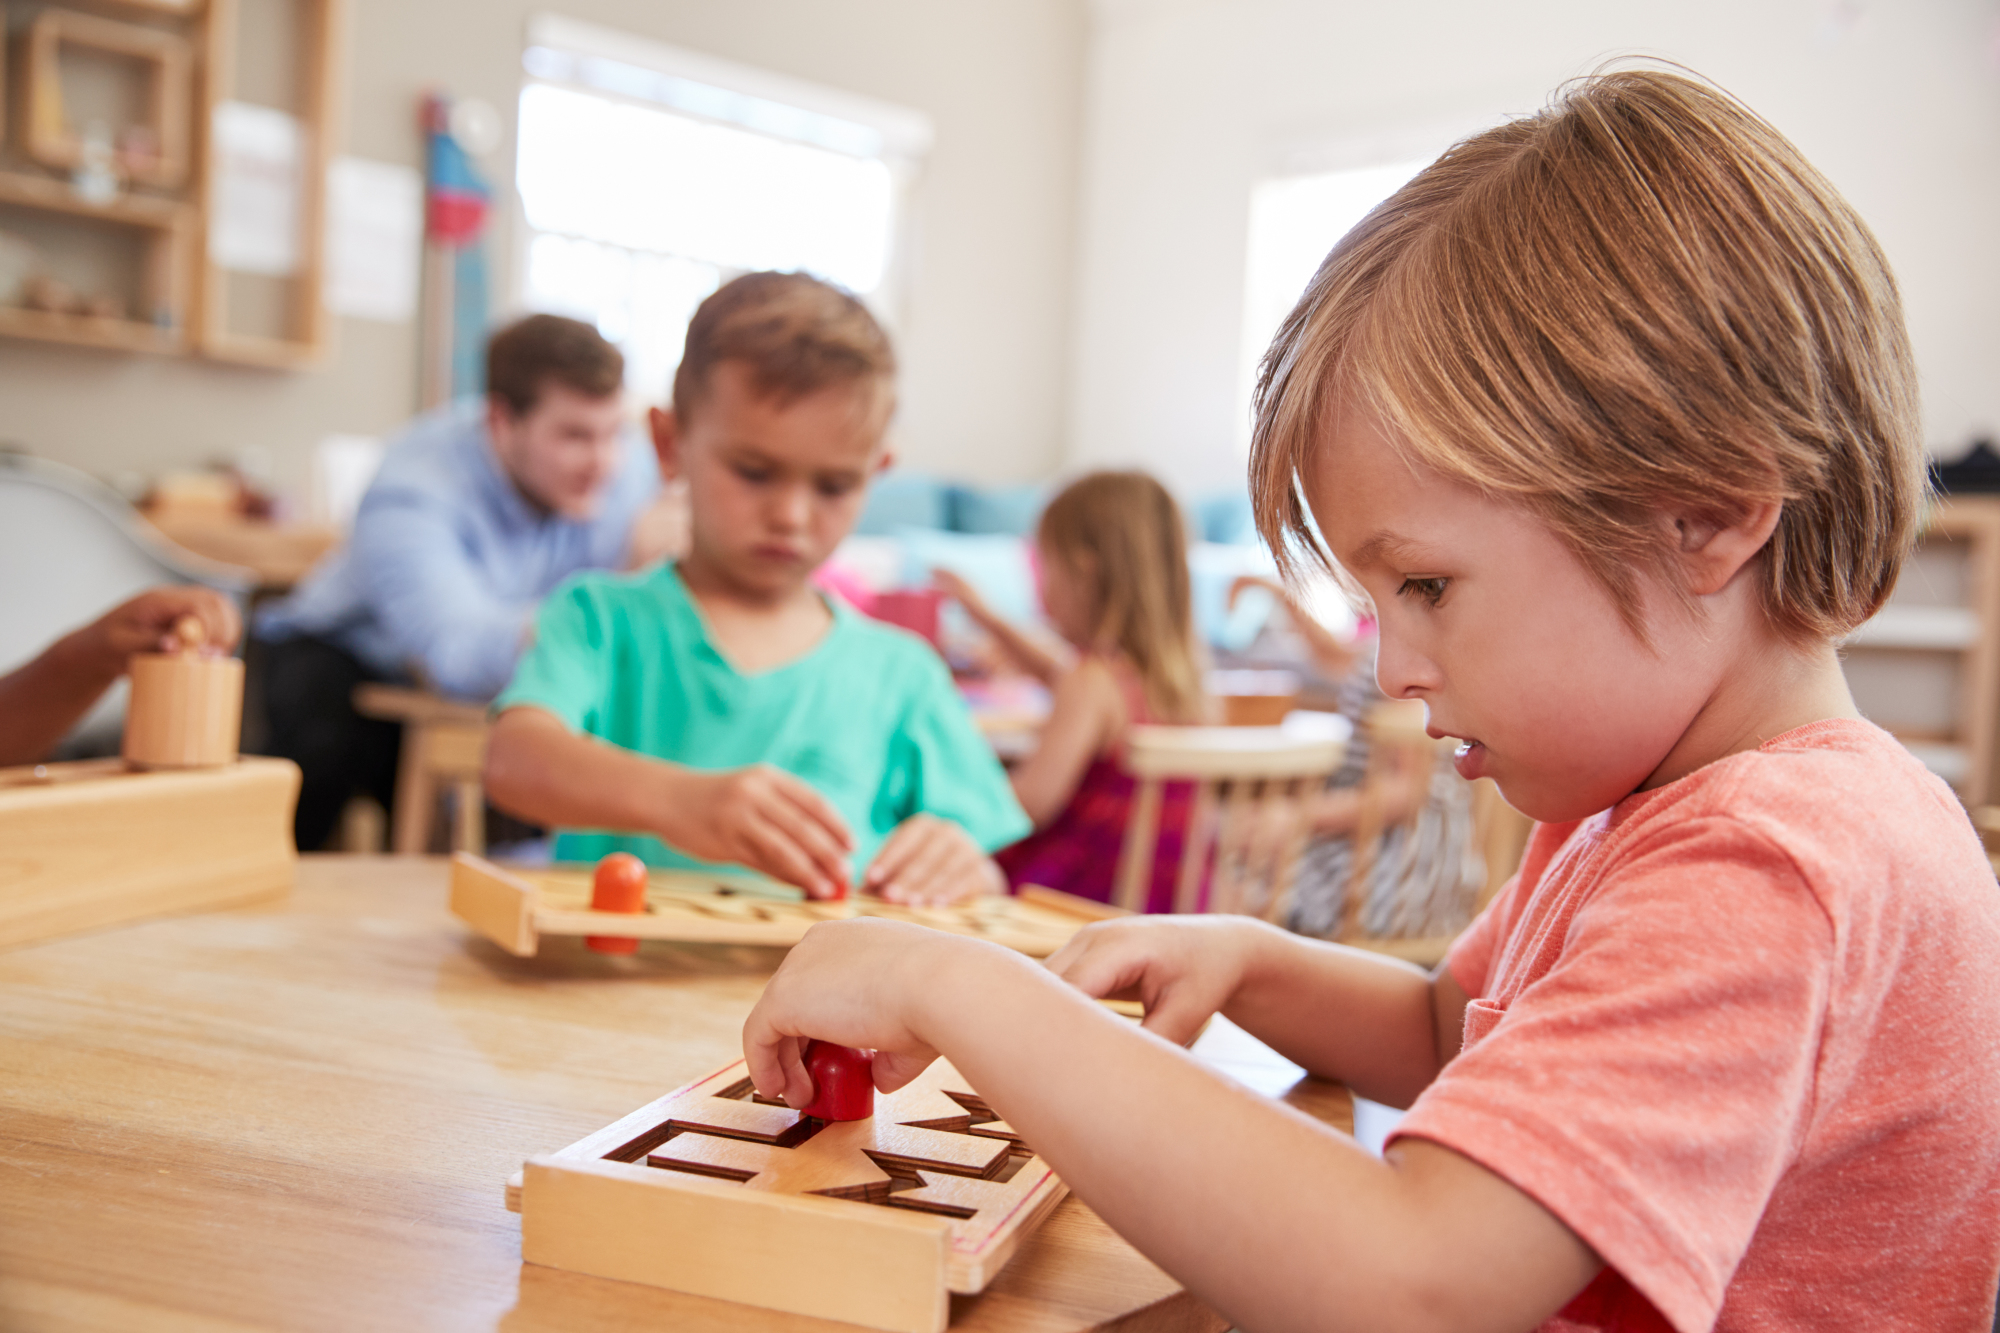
x=715, y=1191
x=515, y=908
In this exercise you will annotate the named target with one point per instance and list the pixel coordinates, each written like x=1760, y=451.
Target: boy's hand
x=862, y=983
x=929, y=861
x=764, y=818
x=1184, y=969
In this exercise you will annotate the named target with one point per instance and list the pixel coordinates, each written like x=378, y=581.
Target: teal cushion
x=995, y=509
x=898, y=500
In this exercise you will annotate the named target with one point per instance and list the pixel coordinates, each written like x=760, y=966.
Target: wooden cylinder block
x=185, y=712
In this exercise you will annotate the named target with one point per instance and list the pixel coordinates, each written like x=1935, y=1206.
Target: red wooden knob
x=843, y=1082
x=618, y=886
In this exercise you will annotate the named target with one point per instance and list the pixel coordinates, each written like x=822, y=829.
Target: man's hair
x=794, y=333
x=522, y=358
x=1122, y=538
x=1641, y=300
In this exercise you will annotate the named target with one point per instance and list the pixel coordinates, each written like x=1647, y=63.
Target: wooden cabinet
x=1927, y=667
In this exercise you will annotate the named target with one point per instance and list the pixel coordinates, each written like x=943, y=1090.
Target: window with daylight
x=1294, y=222
x=649, y=175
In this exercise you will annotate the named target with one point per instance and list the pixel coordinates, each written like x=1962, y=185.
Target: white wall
x=985, y=339
x=1190, y=101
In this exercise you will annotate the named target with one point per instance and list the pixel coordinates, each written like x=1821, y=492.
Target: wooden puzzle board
x=515, y=908
x=714, y=1190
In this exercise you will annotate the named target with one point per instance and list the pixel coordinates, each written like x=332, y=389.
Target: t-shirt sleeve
x=565, y=671
x=1652, y=1086
x=942, y=766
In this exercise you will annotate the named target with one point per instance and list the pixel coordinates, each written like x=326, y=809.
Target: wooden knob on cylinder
x=186, y=710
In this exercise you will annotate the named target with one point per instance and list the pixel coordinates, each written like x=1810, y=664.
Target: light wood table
x=302, y=1116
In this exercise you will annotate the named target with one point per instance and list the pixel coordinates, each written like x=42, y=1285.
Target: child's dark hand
x=860, y=983
x=764, y=818
x=1184, y=969
x=929, y=861
x=146, y=624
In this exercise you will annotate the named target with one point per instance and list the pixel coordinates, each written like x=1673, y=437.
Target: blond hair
x=794, y=333
x=1643, y=299
x=1121, y=537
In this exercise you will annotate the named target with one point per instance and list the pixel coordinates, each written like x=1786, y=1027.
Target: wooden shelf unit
x=170, y=229
x=1927, y=667
x=185, y=298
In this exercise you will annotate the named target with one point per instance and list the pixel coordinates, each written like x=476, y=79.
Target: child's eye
x=754, y=475
x=1431, y=590
x=833, y=490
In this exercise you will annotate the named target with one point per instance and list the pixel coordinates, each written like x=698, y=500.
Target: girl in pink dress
x=1114, y=582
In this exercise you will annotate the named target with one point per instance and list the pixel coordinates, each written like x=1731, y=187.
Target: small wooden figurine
x=186, y=709
x=619, y=885
x=874, y=1221
x=843, y=1082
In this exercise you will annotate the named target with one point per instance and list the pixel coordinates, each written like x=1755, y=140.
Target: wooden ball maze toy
x=714, y=1190
x=515, y=909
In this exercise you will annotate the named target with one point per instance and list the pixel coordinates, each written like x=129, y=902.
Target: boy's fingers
x=818, y=809
x=895, y=851
x=777, y=855
x=929, y=873
x=811, y=840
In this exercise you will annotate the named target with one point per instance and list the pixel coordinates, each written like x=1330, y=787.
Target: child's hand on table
x=861, y=983
x=929, y=861
x=764, y=818
x=1184, y=969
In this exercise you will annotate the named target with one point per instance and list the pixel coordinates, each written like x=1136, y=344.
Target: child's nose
x=791, y=507
x=1402, y=671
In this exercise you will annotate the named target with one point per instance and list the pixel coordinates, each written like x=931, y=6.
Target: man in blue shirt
x=479, y=510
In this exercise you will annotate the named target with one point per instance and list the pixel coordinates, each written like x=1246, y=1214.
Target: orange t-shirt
x=1742, y=1035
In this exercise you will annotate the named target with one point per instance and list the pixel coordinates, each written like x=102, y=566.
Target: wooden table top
x=303, y=1116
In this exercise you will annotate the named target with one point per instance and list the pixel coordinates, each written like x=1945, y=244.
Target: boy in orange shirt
x=1611, y=412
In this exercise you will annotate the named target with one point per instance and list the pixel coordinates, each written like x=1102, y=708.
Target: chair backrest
x=72, y=550
x=1247, y=823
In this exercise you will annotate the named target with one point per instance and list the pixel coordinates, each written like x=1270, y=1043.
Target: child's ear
x=666, y=440
x=1712, y=549
x=886, y=460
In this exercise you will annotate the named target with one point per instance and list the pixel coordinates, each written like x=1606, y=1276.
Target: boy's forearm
x=1271, y=1217
x=1359, y=1017
x=538, y=770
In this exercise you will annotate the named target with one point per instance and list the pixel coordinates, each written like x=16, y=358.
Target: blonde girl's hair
x=1641, y=300
x=1120, y=536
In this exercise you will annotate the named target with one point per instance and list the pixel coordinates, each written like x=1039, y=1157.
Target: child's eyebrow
x=1389, y=549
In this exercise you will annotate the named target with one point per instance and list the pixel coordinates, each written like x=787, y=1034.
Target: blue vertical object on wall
x=456, y=205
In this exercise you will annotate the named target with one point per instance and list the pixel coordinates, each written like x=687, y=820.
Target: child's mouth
x=1469, y=759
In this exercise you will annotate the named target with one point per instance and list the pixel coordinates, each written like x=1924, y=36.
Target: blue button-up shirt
x=448, y=561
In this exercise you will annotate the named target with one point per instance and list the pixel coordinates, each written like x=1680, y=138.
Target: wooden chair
x=444, y=748
x=1247, y=826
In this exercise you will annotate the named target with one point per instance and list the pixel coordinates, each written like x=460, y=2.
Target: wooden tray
x=90, y=844
x=515, y=909
x=714, y=1191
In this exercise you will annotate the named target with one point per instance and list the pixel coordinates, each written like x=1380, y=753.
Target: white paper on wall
x=374, y=239
x=254, y=226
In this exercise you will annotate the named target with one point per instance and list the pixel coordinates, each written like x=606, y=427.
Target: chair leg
x=1135, y=857
x=468, y=817
x=416, y=794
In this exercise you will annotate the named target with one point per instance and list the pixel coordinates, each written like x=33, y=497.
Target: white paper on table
x=374, y=239
x=254, y=226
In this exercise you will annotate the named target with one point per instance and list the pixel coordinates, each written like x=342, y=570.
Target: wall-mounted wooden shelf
x=161, y=291
x=48, y=130
x=168, y=234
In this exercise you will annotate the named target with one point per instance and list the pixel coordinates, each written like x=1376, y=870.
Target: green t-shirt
x=868, y=716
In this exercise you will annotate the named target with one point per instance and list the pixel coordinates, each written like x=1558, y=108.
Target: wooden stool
x=444, y=745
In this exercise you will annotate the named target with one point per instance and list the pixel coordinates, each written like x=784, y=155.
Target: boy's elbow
x=505, y=774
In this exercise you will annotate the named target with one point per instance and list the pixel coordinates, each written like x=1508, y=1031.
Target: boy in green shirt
x=719, y=709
